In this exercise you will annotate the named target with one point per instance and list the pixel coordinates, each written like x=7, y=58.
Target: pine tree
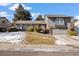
x=39, y=18
x=22, y=14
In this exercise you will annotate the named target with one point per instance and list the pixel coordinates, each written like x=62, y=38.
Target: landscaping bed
x=38, y=38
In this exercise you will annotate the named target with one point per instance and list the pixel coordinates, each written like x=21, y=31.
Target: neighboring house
x=4, y=24
x=23, y=25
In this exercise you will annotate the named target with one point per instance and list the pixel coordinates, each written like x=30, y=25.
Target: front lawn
x=38, y=38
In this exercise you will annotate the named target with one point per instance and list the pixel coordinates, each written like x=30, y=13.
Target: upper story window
x=59, y=21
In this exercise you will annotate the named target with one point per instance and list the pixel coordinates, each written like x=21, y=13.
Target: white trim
x=59, y=21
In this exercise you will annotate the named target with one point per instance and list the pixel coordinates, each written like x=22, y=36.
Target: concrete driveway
x=59, y=32
x=65, y=40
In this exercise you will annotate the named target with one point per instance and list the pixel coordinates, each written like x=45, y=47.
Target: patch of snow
x=12, y=37
x=59, y=42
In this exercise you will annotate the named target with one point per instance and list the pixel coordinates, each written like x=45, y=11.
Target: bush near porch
x=72, y=32
x=37, y=29
x=30, y=29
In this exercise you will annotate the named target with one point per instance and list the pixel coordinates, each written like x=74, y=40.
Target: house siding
x=22, y=26
x=26, y=26
x=66, y=21
x=50, y=23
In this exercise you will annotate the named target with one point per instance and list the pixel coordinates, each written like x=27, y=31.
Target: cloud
x=4, y=14
x=76, y=17
x=35, y=14
x=14, y=6
x=28, y=8
x=4, y=4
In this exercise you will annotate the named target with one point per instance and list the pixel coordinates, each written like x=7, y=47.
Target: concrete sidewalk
x=39, y=53
x=31, y=47
x=7, y=49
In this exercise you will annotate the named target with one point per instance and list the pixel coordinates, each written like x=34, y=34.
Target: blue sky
x=71, y=9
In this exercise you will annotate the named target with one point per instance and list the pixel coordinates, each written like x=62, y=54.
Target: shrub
x=46, y=31
x=12, y=29
x=38, y=29
x=30, y=29
x=72, y=33
x=71, y=29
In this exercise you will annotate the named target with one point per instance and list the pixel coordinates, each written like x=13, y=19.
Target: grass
x=37, y=38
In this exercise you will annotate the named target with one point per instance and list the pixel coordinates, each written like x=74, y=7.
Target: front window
x=59, y=21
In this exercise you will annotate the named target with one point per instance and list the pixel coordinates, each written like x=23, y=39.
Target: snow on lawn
x=12, y=37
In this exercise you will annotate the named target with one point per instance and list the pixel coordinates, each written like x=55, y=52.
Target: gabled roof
x=29, y=22
x=3, y=19
x=58, y=16
x=4, y=22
